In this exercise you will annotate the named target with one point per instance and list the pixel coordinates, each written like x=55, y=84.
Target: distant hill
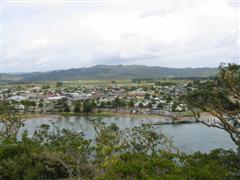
x=102, y=72
x=5, y=78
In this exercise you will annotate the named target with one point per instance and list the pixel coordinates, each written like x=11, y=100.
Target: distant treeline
x=149, y=80
x=192, y=78
x=138, y=80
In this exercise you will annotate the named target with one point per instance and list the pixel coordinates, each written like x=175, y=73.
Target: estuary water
x=187, y=137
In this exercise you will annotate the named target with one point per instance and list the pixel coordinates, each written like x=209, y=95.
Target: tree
x=138, y=153
x=102, y=104
x=40, y=105
x=46, y=86
x=196, y=82
x=88, y=106
x=168, y=98
x=174, y=107
x=59, y=84
x=118, y=103
x=147, y=96
x=66, y=107
x=27, y=104
x=131, y=104
x=220, y=98
x=77, y=107
x=149, y=105
x=140, y=105
x=160, y=105
x=9, y=120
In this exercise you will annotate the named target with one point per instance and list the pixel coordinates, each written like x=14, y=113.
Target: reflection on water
x=187, y=137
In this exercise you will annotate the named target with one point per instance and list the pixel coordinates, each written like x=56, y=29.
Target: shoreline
x=181, y=119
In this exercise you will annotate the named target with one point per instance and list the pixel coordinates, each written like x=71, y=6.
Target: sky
x=47, y=35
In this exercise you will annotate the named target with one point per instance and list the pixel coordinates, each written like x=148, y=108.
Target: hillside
x=4, y=78
x=100, y=72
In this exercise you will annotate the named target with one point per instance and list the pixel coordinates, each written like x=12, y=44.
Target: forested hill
x=4, y=78
x=103, y=72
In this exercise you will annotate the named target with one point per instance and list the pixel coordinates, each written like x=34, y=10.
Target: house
x=33, y=97
x=19, y=107
x=55, y=98
x=154, y=111
x=17, y=98
x=139, y=94
x=35, y=89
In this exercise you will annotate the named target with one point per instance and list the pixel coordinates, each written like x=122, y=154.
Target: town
x=136, y=97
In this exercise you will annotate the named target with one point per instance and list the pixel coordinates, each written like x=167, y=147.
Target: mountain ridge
x=112, y=72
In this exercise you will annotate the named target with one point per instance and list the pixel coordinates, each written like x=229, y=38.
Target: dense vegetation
x=139, y=153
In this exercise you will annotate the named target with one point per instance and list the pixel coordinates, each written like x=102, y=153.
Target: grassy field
x=79, y=83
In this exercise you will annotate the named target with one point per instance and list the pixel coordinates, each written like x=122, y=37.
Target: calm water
x=187, y=137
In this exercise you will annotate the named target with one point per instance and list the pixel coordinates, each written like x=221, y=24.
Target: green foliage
x=142, y=166
x=46, y=86
x=10, y=122
x=59, y=84
x=119, y=103
x=160, y=105
x=131, y=104
x=66, y=107
x=220, y=98
x=216, y=165
x=6, y=107
x=88, y=106
x=147, y=96
x=77, y=107
x=173, y=166
x=40, y=105
x=174, y=107
x=196, y=82
x=28, y=103
x=165, y=83
x=168, y=98
x=140, y=105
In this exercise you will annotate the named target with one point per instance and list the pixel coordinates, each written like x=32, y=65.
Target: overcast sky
x=47, y=36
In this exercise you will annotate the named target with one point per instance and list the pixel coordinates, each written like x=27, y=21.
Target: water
x=187, y=137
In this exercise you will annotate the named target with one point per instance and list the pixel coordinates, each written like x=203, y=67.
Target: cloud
x=84, y=34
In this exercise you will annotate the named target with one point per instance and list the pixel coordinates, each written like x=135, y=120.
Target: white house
x=17, y=98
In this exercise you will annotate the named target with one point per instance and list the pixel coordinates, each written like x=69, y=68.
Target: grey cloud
x=77, y=39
